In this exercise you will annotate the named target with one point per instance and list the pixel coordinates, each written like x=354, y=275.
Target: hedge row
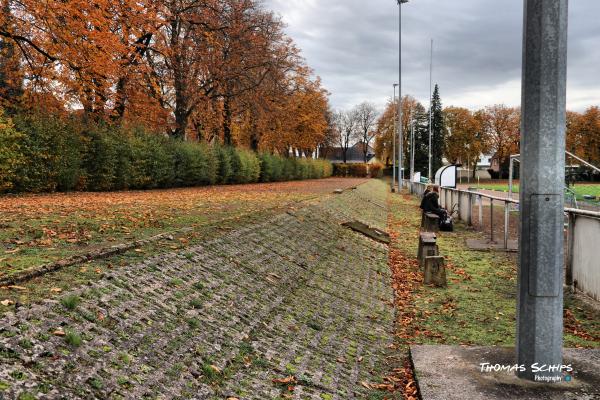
x=358, y=170
x=41, y=154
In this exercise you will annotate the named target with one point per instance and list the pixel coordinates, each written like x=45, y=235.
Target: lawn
x=580, y=189
x=479, y=305
x=38, y=229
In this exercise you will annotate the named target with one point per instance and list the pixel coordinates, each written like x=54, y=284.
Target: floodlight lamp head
x=400, y=2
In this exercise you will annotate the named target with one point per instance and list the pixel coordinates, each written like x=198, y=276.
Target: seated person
x=430, y=202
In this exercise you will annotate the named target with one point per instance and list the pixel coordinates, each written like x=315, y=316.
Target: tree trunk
x=227, y=139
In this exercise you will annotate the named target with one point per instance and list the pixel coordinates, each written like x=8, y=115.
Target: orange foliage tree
x=201, y=70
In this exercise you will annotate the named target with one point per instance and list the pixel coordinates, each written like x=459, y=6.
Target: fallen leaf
x=17, y=287
x=56, y=290
x=59, y=332
x=366, y=385
x=216, y=369
x=289, y=379
x=7, y=302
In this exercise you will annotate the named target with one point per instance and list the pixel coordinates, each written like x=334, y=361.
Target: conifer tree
x=438, y=132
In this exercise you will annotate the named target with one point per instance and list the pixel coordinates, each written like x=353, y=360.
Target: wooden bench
x=427, y=247
x=435, y=271
x=430, y=222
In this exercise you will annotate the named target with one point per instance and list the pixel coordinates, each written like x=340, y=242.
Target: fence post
x=470, y=210
x=460, y=216
x=570, y=241
x=506, y=223
x=480, y=212
x=492, y=220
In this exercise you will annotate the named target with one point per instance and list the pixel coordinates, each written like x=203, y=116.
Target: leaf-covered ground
x=38, y=229
x=479, y=305
x=290, y=306
x=279, y=303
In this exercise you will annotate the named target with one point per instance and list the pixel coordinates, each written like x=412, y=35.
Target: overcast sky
x=353, y=46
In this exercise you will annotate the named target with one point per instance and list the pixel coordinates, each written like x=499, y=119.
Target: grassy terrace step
x=295, y=295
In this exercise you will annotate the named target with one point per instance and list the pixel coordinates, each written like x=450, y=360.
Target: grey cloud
x=353, y=46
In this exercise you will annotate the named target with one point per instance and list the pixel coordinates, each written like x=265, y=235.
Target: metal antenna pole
x=541, y=255
x=430, y=111
x=394, y=140
x=400, y=133
x=412, y=146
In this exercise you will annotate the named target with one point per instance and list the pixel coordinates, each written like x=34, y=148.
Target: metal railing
x=582, y=259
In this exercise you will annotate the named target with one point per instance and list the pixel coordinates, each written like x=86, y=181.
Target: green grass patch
x=580, y=189
x=479, y=305
x=70, y=302
x=73, y=338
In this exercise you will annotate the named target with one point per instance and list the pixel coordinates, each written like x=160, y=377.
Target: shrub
x=11, y=156
x=250, y=166
x=225, y=163
x=45, y=153
x=193, y=164
x=376, y=170
x=53, y=152
x=357, y=170
x=152, y=163
x=101, y=160
x=494, y=174
x=267, y=167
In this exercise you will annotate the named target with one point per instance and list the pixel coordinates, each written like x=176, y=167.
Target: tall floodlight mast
x=400, y=133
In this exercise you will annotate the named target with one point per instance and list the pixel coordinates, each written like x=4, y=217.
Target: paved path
x=296, y=296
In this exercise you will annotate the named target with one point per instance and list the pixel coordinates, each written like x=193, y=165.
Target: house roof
x=355, y=154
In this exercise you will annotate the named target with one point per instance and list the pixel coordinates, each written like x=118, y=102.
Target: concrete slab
x=455, y=372
x=486, y=245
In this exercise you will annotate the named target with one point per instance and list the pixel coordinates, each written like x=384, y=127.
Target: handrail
x=574, y=211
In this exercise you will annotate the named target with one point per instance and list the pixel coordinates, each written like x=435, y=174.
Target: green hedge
x=357, y=170
x=275, y=169
x=40, y=153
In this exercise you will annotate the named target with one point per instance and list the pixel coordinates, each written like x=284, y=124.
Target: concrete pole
x=394, y=142
x=429, y=172
x=541, y=258
x=400, y=133
x=412, y=148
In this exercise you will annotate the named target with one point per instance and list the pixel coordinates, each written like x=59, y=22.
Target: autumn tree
x=465, y=141
x=386, y=128
x=366, y=113
x=11, y=76
x=347, y=125
x=76, y=51
x=501, y=128
x=589, y=133
x=330, y=138
x=213, y=70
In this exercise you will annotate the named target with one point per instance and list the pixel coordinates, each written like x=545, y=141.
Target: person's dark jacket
x=430, y=202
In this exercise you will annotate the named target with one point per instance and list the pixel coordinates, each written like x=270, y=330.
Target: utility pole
x=400, y=133
x=541, y=255
x=394, y=140
x=430, y=110
x=412, y=146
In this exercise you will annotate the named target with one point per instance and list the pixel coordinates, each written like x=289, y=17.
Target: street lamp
x=400, y=133
x=394, y=142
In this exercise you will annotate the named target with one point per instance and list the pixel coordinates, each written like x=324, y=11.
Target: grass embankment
x=479, y=305
x=38, y=229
